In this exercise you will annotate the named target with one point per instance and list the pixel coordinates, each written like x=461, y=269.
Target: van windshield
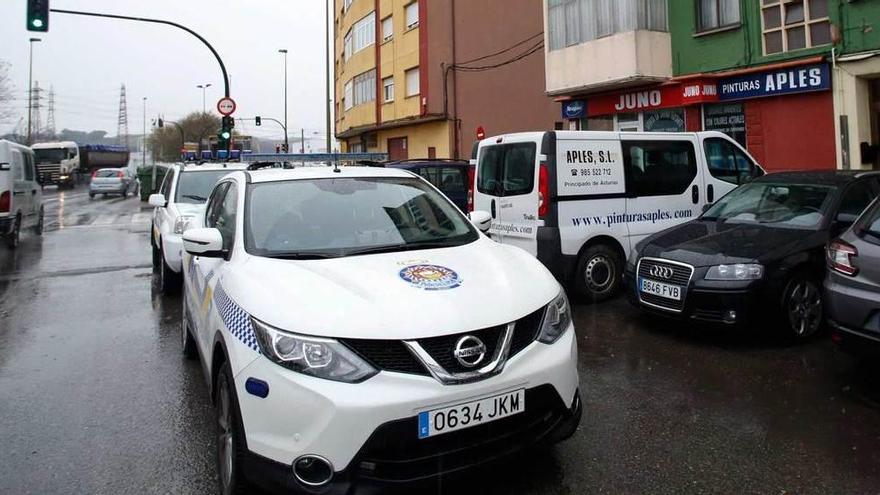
x=507, y=169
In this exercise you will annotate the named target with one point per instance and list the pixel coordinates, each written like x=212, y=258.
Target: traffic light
x=160, y=123
x=38, y=15
x=228, y=123
x=259, y=120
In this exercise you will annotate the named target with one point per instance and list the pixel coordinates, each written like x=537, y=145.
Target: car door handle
x=493, y=208
x=34, y=192
x=695, y=194
x=18, y=193
x=710, y=194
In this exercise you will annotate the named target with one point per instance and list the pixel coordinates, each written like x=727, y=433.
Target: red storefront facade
x=783, y=114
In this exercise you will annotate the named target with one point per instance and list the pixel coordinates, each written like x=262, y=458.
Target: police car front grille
x=387, y=355
x=526, y=331
x=442, y=348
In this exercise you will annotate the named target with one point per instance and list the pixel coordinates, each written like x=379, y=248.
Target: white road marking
x=141, y=218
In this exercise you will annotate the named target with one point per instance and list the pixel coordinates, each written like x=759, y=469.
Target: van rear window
x=507, y=169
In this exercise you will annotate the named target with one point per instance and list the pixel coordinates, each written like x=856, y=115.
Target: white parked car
x=581, y=200
x=181, y=199
x=21, y=196
x=356, y=328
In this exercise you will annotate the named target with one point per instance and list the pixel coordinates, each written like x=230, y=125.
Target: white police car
x=357, y=330
x=181, y=198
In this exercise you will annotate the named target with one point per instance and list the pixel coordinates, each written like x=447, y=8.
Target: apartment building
x=419, y=79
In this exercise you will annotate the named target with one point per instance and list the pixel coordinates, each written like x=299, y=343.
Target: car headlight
x=182, y=224
x=557, y=318
x=739, y=271
x=317, y=357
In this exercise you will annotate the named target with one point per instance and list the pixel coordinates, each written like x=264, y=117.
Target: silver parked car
x=852, y=285
x=113, y=181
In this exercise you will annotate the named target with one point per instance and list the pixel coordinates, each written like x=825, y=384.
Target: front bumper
x=736, y=305
x=172, y=249
x=369, y=431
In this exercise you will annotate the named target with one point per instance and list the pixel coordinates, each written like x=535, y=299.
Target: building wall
x=740, y=46
x=419, y=138
x=507, y=99
x=397, y=56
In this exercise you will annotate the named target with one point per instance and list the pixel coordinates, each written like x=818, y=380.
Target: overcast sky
x=86, y=60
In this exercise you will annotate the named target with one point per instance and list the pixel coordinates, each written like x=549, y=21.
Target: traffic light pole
x=167, y=23
x=273, y=120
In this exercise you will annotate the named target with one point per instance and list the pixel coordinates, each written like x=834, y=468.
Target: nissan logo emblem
x=662, y=272
x=469, y=351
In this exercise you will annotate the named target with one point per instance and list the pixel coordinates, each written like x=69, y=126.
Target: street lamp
x=286, y=139
x=204, y=88
x=31, y=88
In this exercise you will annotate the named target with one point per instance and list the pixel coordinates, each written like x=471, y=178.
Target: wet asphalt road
x=96, y=398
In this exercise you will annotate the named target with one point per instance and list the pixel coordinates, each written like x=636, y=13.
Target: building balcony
x=629, y=58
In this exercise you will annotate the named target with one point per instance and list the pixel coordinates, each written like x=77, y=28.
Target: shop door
x=397, y=149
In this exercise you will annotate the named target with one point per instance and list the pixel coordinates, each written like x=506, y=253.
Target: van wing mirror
x=158, y=200
x=204, y=242
x=481, y=220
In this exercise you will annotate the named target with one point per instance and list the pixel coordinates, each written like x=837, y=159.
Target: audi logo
x=662, y=272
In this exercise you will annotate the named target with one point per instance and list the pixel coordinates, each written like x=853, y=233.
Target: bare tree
x=7, y=110
x=197, y=127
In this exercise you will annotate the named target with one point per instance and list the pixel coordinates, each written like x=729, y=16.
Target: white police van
x=581, y=200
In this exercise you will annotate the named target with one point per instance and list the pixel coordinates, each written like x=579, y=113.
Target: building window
x=347, y=47
x=715, y=14
x=572, y=22
x=362, y=35
x=364, y=87
x=412, y=15
x=388, y=88
x=794, y=24
x=348, y=96
x=346, y=6
x=387, y=28
x=412, y=82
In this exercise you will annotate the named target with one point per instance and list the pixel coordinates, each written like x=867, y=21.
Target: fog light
x=730, y=316
x=313, y=470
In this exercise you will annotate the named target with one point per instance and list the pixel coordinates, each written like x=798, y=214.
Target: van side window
x=507, y=170
x=17, y=165
x=721, y=160
x=659, y=168
x=28, y=166
x=746, y=167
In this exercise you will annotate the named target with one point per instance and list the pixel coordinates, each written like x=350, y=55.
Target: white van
x=580, y=200
x=21, y=197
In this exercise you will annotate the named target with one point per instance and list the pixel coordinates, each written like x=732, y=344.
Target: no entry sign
x=226, y=106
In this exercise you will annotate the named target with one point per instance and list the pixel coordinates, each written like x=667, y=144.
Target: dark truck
x=93, y=157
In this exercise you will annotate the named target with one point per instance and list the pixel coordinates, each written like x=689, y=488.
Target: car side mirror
x=843, y=222
x=158, y=200
x=204, y=242
x=481, y=219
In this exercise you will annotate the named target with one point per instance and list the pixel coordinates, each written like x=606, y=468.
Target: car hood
x=708, y=243
x=374, y=297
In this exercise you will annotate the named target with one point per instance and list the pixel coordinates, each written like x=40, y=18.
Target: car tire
x=230, y=436
x=169, y=282
x=157, y=253
x=91, y=195
x=38, y=229
x=189, y=343
x=599, y=273
x=13, y=239
x=802, y=307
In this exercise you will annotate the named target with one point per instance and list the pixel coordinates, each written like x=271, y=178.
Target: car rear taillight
x=94, y=173
x=543, y=190
x=119, y=174
x=472, y=177
x=840, y=256
x=5, y=202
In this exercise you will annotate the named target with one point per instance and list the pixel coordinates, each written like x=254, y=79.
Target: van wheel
x=598, y=274
x=189, y=343
x=14, y=237
x=38, y=229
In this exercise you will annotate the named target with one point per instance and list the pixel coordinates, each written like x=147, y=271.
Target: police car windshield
x=330, y=218
x=787, y=205
x=194, y=187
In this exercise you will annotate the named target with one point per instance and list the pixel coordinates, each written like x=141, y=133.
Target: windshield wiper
x=303, y=256
x=195, y=197
x=394, y=248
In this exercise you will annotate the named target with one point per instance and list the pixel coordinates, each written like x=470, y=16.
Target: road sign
x=226, y=106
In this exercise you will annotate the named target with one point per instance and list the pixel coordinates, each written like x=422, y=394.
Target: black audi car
x=757, y=255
